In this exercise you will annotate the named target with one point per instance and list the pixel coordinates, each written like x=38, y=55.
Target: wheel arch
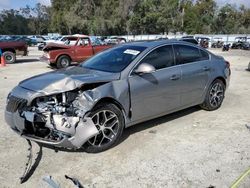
x=222, y=79
x=60, y=55
x=116, y=103
x=109, y=100
x=9, y=50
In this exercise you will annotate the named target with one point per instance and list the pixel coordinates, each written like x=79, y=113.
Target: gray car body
x=139, y=97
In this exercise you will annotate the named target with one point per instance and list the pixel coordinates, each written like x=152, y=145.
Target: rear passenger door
x=195, y=68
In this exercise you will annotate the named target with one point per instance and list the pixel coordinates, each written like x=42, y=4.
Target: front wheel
x=63, y=62
x=109, y=120
x=9, y=57
x=214, y=96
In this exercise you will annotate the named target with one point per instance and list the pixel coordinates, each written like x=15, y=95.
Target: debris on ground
x=248, y=126
x=75, y=181
x=51, y=182
x=153, y=131
x=211, y=186
x=31, y=166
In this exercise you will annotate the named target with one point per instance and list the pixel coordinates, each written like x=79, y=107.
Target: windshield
x=114, y=59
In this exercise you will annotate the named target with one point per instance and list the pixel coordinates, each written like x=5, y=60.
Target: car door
x=157, y=93
x=195, y=68
x=83, y=49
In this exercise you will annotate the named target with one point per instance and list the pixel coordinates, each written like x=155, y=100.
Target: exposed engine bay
x=59, y=117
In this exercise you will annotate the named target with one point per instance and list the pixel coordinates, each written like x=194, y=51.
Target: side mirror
x=144, y=68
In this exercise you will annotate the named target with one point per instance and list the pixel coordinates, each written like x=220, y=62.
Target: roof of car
x=155, y=43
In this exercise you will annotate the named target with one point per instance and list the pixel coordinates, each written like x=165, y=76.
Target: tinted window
x=187, y=54
x=161, y=57
x=204, y=55
x=114, y=59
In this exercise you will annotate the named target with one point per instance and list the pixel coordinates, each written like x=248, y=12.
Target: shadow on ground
x=22, y=61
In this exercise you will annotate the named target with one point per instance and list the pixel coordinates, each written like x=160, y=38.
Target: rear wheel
x=109, y=120
x=63, y=62
x=214, y=96
x=9, y=57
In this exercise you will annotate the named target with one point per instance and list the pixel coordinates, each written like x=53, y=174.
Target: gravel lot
x=191, y=148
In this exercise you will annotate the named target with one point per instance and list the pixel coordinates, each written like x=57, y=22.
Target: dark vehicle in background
x=226, y=47
x=203, y=41
x=246, y=46
x=75, y=49
x=28, y=41
x=217, y=43
x=239, y=42
x=11, y=49
x=41, y=46
x=88, y=106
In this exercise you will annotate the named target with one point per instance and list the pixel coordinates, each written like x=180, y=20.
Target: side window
x=204, y=55
x=187, y=54
x=161, y=57
x=83, y=42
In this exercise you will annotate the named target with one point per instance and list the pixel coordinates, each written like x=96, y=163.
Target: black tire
x=63, y=62
x=9, y=57
x=214, y=98
x=92, y=145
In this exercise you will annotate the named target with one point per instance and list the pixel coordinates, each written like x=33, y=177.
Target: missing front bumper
x=85, y=130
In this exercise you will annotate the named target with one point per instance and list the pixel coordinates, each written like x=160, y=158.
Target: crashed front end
x=60, y=120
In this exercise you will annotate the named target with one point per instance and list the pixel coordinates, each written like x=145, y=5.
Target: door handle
x=175, y=77
x=206, y=68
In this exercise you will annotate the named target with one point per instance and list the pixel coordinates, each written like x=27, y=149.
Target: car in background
x=10, y=49
x=88, y=106
x=76, y=48
x=115, y=40
x=37, y=38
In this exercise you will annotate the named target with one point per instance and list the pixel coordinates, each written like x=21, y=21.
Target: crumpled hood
x=53, y=45
x=66, y=80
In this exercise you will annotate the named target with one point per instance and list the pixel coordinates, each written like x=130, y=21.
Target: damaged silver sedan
x=90, y=105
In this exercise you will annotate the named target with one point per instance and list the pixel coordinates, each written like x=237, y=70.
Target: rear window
x=188, y=54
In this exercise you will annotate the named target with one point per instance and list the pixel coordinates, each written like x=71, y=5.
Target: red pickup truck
x=75, y=49
x=12, y=48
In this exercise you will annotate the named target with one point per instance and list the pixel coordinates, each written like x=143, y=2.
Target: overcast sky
x=15, y=4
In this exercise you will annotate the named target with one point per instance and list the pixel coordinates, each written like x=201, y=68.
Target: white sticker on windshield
x=132, y=52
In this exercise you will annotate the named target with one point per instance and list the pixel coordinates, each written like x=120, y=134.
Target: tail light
x=228, y=66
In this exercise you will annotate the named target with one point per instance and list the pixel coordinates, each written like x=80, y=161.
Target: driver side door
x=157, y=93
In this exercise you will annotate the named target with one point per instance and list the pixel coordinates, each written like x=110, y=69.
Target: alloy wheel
x=216, y=94
x=107, y=123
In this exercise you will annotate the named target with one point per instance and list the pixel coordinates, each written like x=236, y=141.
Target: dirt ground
x=191, y=148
